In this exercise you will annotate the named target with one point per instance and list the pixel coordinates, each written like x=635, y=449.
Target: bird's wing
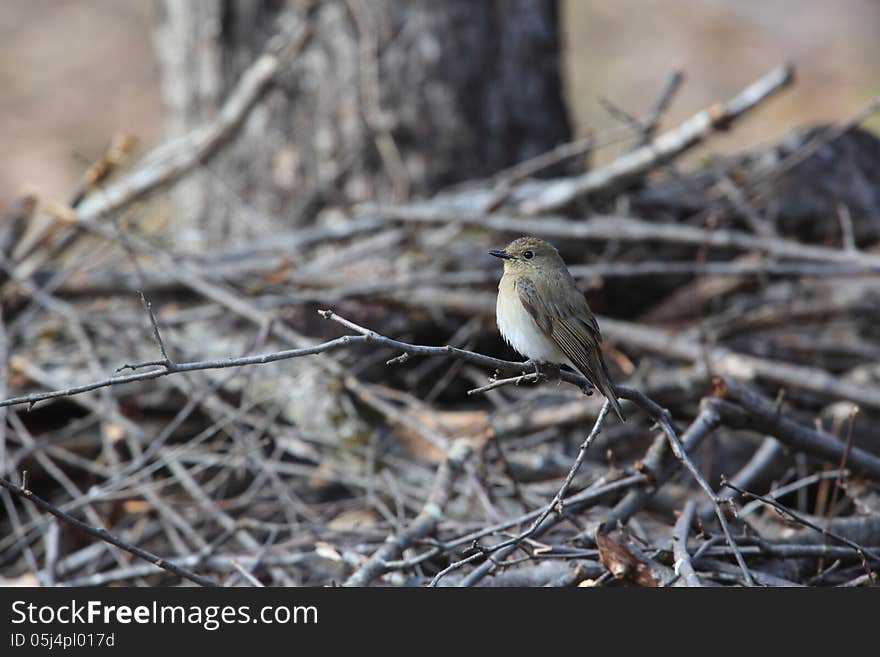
x=573, y=328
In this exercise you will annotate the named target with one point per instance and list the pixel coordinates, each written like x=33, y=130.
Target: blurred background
x=73, y=72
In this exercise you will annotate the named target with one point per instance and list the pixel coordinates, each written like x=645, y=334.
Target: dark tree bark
x=389, y=99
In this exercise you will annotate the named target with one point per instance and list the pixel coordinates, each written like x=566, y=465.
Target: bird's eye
x=528, y=255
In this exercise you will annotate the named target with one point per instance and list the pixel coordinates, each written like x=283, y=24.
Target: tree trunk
x=388, y=99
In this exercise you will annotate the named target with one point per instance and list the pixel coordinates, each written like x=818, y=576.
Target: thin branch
x=574, y=503
x=177, y=368
x=781, y=491
x=681, y=455
x=117, y=151
x=167, y=362
x=106, y=536
x=806, y=522
x=534, y=377
x=741, y=407
x=652, y=121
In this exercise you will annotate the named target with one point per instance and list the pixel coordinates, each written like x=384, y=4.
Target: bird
x=543, y=315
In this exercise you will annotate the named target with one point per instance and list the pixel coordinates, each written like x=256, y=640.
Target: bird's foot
x=545, y=371
x=533, y=377
x=552, y=372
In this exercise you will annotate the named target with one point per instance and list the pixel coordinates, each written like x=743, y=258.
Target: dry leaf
x=353, y=519
x=136, y=506
x=115, y=432
x=327, y=551
x=25, y=580
x=621, y=563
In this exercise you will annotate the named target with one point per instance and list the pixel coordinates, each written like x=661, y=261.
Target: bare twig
x=749, y=410
x=652, y=121
x=865, y=552
x=176, y=368
x=104, y=535
x=780, y=491
x=166, y=362
x=118, y=149
x=681, y=454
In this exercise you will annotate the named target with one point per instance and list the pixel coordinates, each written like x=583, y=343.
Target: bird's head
x=528, y=255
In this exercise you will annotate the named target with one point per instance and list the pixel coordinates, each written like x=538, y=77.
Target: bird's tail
x=606, y=387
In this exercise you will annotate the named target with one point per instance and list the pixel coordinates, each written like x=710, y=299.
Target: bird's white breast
x=519, y=329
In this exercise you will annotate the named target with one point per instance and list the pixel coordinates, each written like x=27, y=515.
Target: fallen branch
x=739, y=407
x=622, y=229
x=729, y=363
x=559, y=193
x=681, y=454
x=683, y=565
x=864, y=552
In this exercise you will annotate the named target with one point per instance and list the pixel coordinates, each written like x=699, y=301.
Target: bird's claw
x=544, y=371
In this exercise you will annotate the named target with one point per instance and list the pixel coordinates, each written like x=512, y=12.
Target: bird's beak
x=501, y=253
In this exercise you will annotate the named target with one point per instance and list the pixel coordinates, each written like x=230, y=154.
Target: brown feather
x=570, y=324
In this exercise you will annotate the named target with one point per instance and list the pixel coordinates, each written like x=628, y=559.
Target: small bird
x=544, y=316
